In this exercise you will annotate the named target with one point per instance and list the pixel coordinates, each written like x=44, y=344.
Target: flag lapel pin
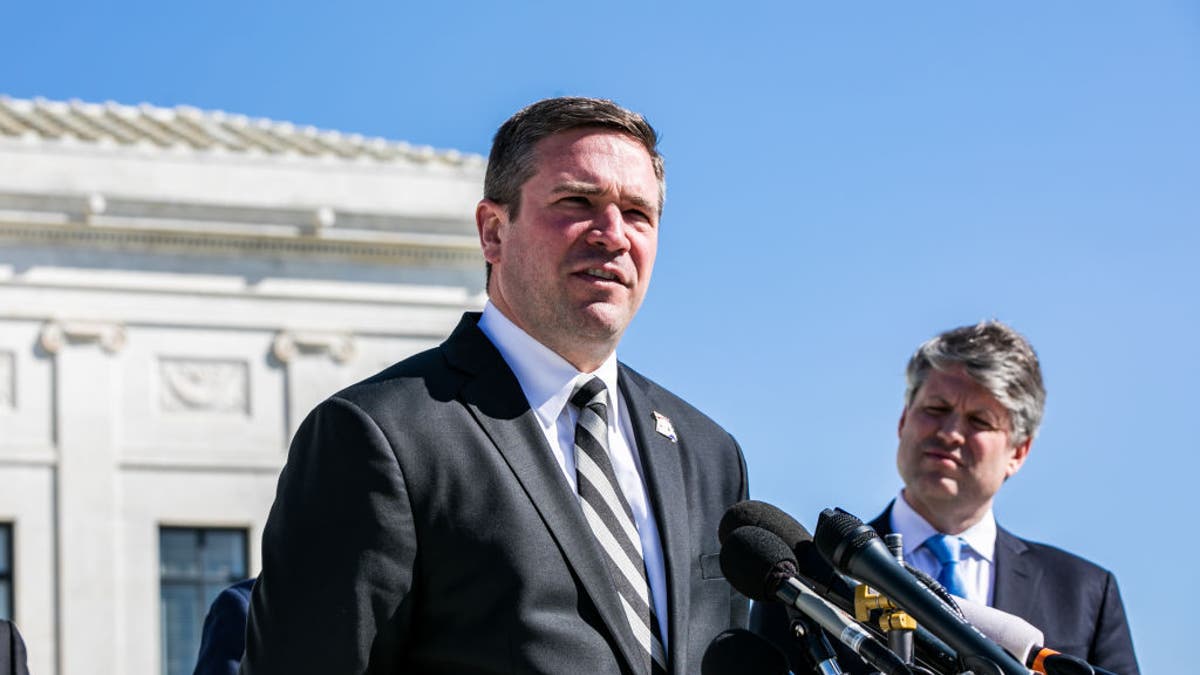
x=662, y=424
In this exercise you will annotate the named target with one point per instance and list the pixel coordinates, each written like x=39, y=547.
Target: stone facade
x=177, y=290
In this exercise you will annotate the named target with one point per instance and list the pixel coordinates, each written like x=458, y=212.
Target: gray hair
x=999, y=358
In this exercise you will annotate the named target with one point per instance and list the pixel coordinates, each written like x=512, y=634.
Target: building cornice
x=185, y=130
x=398, y=248
x=94, y=221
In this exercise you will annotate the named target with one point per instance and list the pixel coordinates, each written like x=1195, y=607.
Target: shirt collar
x=981, y=536
x=546, y=378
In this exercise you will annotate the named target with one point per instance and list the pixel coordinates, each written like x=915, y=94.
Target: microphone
x=1062, y=664
x=761, y=514
x=856, y=549
x=815, y=571
x=762, y=567
x=1051, y=662
x=1016, y=635
x=1024, y=641
x=823, y=577
x=737, y=651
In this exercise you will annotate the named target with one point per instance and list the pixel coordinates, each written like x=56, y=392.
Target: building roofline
x=186, y=128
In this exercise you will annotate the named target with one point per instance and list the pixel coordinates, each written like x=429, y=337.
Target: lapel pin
x=662, y=424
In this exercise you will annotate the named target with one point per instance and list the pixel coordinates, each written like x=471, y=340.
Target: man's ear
x=900, y=424
x=1020, y=453
x=490, y=219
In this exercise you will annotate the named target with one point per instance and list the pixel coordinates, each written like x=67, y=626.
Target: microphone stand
x=816, y=645
x=894, y=621
x=897, y=625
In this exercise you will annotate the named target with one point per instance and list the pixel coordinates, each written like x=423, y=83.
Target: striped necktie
x=948, y=551
x=611, y=519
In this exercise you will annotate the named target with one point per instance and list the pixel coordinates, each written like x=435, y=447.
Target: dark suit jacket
x=1075, y=603
x=12, y=650
x=423, y=525
x=224, y=637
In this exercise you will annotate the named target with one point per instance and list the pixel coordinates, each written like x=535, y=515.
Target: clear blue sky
x=845, y=180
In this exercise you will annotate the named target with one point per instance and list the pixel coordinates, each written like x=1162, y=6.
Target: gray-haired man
x=972, y=408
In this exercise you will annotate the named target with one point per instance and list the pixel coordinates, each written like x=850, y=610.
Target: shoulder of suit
x=882, y=523
x=418, y=365
x=11, y=636
x=430, y=365
x=1055, y=557
x=424, y=376
x=240, y=592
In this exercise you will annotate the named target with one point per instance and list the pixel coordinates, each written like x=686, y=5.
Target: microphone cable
x=937, y=588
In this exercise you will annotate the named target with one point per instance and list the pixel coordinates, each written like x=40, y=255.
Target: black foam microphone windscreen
x=766, y=516
x=756, y=562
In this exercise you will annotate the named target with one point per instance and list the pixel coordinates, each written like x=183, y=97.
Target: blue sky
x=845, y=180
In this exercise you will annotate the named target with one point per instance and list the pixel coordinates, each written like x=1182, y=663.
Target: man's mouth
x=601, y=274
x=940, y=453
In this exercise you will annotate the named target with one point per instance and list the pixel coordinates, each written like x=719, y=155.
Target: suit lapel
x=1017, y=579
x=883, y=522
x=664, y=485
x=497, y=403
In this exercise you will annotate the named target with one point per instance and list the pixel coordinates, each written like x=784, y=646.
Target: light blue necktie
x=948, y=551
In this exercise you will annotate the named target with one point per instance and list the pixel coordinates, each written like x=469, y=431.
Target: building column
x=315, y=363
x=86, y=381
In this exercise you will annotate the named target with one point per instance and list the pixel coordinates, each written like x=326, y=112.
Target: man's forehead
x=955, y=382
x=576, y=159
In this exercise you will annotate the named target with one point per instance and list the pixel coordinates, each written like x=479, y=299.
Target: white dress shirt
x=548, y=381
x=977, y=567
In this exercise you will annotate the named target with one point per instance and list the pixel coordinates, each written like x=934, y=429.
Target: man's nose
x=950, y=431
x=608, y=229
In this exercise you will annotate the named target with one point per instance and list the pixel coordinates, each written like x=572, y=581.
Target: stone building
x=178, y=288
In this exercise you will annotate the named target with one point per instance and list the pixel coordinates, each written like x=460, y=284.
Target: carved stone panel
x=204, y=385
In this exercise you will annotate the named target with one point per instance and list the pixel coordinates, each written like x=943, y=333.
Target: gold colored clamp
x=897, y=620
x=867, y=600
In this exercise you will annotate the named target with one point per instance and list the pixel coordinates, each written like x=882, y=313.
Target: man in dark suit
x=515, y=500
x=1075, y=603
x=223, y=640
x=12, y=650
x=972, y=407
x=973, y=404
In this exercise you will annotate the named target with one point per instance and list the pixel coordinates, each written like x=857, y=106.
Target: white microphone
x=1016, y=635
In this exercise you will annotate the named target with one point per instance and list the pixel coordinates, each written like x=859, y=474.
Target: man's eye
x=637, y=214
x=575, y=201
x=936, y=410
x=982, y=424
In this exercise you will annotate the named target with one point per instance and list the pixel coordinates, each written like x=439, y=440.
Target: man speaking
x=514, y=500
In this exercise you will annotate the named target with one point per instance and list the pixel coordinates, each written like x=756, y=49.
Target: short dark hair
x=999, y=358
x=512, y=160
